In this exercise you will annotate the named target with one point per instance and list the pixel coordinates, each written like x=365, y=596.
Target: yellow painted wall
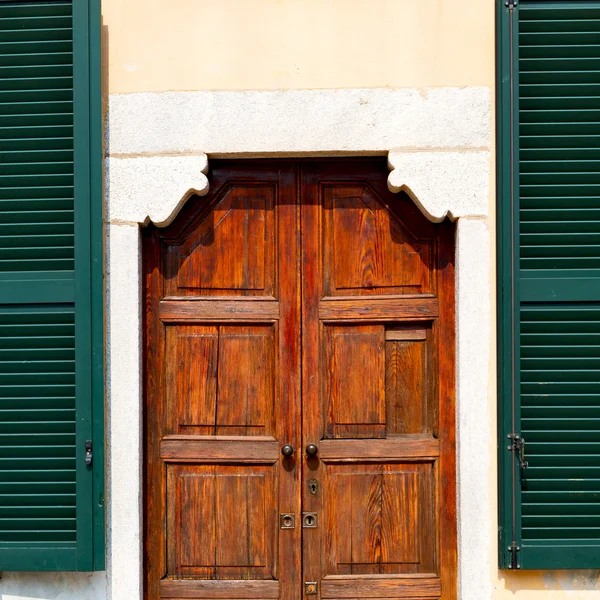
x=176, y=45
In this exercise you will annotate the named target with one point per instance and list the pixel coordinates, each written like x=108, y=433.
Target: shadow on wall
x=545, y=581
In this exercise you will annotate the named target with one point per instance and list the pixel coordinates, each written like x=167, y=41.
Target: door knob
x=312, y=449
x=287, y=450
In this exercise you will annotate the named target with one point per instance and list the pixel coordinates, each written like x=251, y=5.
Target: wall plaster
x=299, y=121
x=157, y=156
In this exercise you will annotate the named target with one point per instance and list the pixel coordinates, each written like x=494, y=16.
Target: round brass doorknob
x=312, y=449
x=287, y=450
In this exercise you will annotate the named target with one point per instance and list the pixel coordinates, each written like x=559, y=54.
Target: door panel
x=377, y=303
x=277, y=254
x=379, y=519
x=221, y=379
x=353, y=366
x=229, y=249
x=223, y=391
x=365, y=250
x=210, y=505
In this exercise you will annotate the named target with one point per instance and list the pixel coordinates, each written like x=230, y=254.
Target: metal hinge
x=517, y=447
x=514, y=561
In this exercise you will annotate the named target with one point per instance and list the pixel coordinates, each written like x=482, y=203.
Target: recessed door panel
x=354, y=381
x=381, y=519
x=219, y=526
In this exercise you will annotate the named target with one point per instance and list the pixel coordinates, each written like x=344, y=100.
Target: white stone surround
x=438, y=143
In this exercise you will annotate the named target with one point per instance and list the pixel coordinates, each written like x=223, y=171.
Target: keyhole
x=287, y=521
x=309, y=520
x=313, y=487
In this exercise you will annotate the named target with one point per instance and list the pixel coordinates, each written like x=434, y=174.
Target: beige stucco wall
x=168, y=45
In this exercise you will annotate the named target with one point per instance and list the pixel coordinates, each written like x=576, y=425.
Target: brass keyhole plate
x=309, y=520
x=287, y=521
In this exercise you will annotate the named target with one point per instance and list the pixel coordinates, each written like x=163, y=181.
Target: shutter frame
x=79, y=291
x=562, y=293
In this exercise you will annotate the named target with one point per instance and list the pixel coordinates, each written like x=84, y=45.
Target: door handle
x=312, y=449
x=287, y=450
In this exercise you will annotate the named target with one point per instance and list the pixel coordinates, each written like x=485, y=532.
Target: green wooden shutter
x=549, y=283
x=51, y=346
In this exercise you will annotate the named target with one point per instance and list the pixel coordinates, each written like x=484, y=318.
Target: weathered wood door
x=300, y=304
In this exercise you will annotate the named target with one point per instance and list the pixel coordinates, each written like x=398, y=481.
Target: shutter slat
x=559, y=116
x=23, y=34
x=55, y=535
x=15, y=439
x=30, y=512
x=48, y=119
x=36, y=131
x=36, y=107
x=9, y=11
x=556, y=77
x=42, y=71
x=36, y=84
x=29, y=22
x=36, y=59
x=571, y=26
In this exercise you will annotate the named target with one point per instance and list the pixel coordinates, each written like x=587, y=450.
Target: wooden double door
x=299, y=402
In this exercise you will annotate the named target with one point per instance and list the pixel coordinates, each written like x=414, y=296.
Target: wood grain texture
x=215, y=449
x=380, y=518
x=154, y=413
x=408, y=384
x=246, y=381
x=398, y=334
x=409, y=586
x=208, y=507
x=379, y=309
x=392, y=449
x=221, y=379
x=367, y=248
x=181, y=310
x=229, y=248
x=445, y=341
x=354, y=377
x=191, y=378
x=201, y=590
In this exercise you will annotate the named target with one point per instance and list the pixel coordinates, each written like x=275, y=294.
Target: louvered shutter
x=550, y=341
x=50, y=287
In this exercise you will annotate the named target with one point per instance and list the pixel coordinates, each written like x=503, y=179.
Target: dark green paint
x=51, y=287
x=555, y=229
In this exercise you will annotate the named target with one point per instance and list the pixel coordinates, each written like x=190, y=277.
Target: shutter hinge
x=88, y=453
x=517, y=447
x=514, y=561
